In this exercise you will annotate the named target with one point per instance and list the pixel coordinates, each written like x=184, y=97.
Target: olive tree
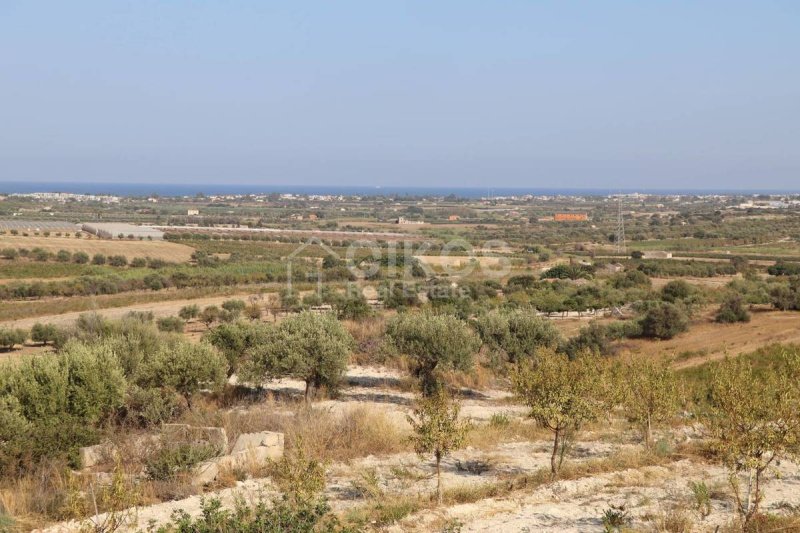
x=185, y=367
x=754, y=421
x=308, y=346
x=437, y=430
x=45, y=333
x=517, y=333
x=11, y=337
x=650, y=394
x=234, y=339
x=562, y=395
x=434, y=342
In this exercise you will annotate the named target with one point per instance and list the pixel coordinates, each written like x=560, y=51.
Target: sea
x=186, y=189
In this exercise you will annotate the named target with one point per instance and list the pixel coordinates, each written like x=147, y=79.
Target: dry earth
x=167, y=251
x=650, y=494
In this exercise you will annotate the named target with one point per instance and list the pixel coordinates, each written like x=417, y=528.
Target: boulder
x=94, y=455
x=268, y=439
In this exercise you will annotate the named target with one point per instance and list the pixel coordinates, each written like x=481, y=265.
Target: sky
x=463, y=93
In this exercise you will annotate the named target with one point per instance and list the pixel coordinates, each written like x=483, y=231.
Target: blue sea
x=185, y=189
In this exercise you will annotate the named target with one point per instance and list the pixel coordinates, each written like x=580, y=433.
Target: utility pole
x=620, y=236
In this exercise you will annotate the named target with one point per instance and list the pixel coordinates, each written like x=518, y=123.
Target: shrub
x=664, y=321
x=517, y=333
x=99, y=259
x=732, y=310
x=234, y=307
x=80, y=258
x=151, y=407
x=188, y=312
x=173, y=459
x=63, y=256
x=40, y=254
x=139, y=262
x=61, y=398
x=9, y=253
x=118, y=261
x=210, y=315
x=170, y=324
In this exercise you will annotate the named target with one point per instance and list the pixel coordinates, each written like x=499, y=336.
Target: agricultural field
x=214, y=381
x=166, y=251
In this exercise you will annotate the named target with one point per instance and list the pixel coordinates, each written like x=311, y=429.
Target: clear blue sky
x=527, y=93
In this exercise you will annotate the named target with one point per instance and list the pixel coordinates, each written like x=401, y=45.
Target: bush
x=99, y=259
x=732, y=310
x=118, y=261
x=9, y=253
x=664, y=321
x=80, y=258
x=63, y=256
x=173, y=459
x=188, y=312
x=517, y=333
x=61, y=399
x=234, y=307
x=170, y=324
x=146, y=408
x=139, y=262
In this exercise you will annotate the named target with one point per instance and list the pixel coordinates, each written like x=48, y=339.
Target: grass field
x=167, y=251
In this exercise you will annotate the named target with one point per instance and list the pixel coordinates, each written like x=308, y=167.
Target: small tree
x=11, y=337
x=517, y=334
x=308, y=346
x=235, y=339
x=650, y=394
x=45, y=333
x=434, y=342
x=562, y=395
x=437, y=430
x=189, y=312
x=754, y=421
x=184, y=367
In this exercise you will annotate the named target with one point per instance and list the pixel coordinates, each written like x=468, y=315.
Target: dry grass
x=165, y=250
